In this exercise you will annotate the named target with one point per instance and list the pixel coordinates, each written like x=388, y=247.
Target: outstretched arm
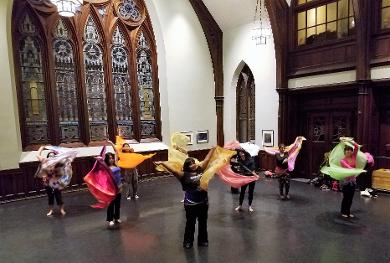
x=206, y=160
x=116, y=151
x=178, y=174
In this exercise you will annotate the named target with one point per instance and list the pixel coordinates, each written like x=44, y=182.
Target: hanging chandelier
x=67, y=7
x=261, y=31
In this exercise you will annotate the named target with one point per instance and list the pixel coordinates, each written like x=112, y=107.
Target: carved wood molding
x=278, y=11
x=214, y=38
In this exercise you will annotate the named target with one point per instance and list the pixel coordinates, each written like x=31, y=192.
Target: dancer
x=243, y=164
x=113, y=211
x=346, y=162
x=285, y=161
x=128, y=161
x=281, y=172
x=196, y=199
x=348, y=185
x=55, y=170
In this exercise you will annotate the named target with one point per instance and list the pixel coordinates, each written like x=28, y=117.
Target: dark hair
x=51, y=152
x=59, y=165
x=247, y=155
x=107, y=158
x=187, y=163
x=125, y=144
x=347, y=148
x=281, y=145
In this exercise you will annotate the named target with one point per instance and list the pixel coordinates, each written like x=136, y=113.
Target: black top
x=244, y=167
x=280, y=161
x=191, y=185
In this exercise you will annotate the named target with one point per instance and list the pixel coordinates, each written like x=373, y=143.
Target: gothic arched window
x=85, y=79
x=246, y=102
x=32, y=95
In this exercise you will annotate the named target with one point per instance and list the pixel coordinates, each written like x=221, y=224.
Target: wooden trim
x=315, y=71
x=19, y=184
x=214, y=38
x=279, y=13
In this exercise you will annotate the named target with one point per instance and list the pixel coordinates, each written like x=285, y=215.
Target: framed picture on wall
x=267, y=138
x=190, y=136
x=202, y=137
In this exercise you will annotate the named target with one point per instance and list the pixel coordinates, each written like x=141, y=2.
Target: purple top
x=117, y=175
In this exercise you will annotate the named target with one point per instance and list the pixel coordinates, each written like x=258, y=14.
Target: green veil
x=335, y=170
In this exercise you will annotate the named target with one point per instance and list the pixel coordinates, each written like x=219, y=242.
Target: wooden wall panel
x=381, y=50
x=20, y=183
x=266, y=161
x=322, y=59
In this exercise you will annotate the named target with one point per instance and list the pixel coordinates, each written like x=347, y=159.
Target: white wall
x=185, y=77
x=184, y=57
x=239, y=48
x=10, y=142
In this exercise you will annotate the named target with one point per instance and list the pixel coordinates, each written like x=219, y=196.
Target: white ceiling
x=232, y=13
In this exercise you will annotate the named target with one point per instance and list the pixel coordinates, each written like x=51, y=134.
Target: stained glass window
x=121, y=83
x=33, y=84
x=145, y=88
x=65, y=84
x=85, y=79
x=94, y=82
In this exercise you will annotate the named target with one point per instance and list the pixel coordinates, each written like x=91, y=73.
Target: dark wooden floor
x=305, y=229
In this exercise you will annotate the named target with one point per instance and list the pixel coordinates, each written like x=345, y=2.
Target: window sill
x=31, y=156
x=326, y=44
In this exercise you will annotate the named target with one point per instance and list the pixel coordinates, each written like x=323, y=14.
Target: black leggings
x=284, y=182
x=114, y=209
x=194, y=212
x=251, y=190
x=348, y=192
x=54, y=193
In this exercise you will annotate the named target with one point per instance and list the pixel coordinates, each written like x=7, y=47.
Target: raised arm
x=113, y=146
x=355, y=150
x=206, y=160
x=116, y=152
x=178, y=174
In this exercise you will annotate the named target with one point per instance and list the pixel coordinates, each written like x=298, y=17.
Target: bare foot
x=50, y=213
x=251, y=209
x=238, y=208
x=63, y=212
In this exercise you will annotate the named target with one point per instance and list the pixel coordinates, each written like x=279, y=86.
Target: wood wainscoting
x=20, y=184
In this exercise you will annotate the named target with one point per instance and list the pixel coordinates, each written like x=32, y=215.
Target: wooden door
x=323, y=130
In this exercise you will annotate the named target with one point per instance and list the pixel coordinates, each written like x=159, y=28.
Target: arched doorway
x=245, y=98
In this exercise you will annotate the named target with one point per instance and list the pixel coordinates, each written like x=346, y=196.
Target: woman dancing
x=55, y=170
x=243, y=164
x=113, y=211
x=195, y=199
x=281, y=172
x=349, y=183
